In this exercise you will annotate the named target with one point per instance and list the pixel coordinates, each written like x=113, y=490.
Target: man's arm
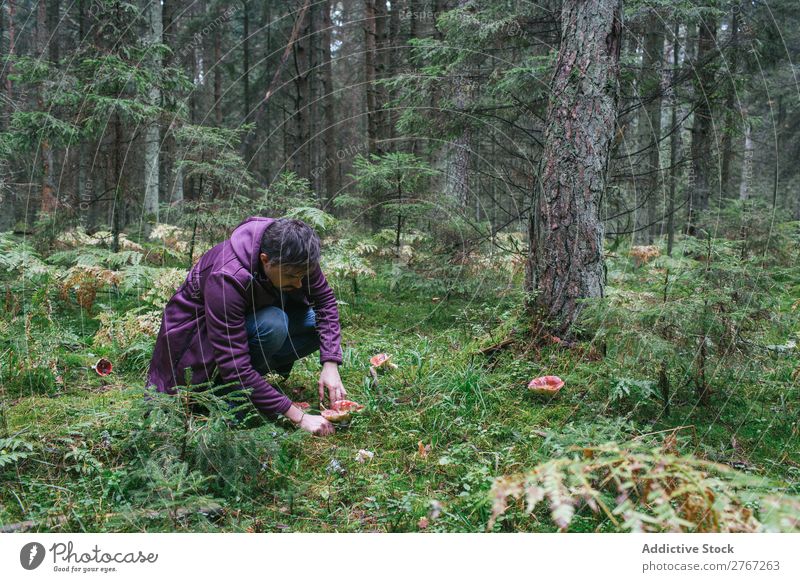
x=330, y=336
x=327, y=316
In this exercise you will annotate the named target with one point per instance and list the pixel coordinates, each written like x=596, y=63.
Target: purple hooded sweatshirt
x=203, y=323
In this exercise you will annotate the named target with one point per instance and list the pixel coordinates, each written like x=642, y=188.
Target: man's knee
x=267, y=327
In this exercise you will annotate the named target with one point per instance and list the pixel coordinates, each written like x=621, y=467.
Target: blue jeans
x=277, y=338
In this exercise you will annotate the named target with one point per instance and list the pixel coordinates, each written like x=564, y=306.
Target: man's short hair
x=291, y=242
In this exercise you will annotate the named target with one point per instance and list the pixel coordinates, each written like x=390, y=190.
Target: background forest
x=607, y=192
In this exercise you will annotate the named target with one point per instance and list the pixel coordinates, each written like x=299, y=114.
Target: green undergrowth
x=85, y=453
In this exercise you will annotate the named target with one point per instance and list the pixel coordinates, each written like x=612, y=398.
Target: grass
x=442, y=427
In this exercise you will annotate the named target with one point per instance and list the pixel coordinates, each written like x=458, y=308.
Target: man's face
x=285, y=278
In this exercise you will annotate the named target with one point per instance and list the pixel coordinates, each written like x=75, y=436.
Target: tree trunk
x=329, y=135
x=703, y=147
x=459, y=151
x=649, y=130
x=172, y=186
x=381, y=70
x=118, y=205
x=747, y=162
x=218, y=70
x=49, y=200
x=176, y=196
x=370, y=75
x=83, y=186
x=8, y=69
x=301, y=148
x=674, y=141
x=315, y=109
x=731, y=111
x=53, y=18
x=566, y=233
x=458, y=155
x=152, y=138
x=248, y=150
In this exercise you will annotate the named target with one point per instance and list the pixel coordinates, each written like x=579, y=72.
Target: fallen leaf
x=423, y=449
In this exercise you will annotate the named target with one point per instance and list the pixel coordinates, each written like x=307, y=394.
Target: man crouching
x=251, y=305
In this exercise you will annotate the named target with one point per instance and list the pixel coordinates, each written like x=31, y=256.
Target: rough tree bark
x=747, y=160
x=702, y=148
x=566, y=234
x=674, y=139
x=152, y=137
x=731, y=111
x=329, y=133
x=370, y=75
x=49, y=200
x=218, y=71
x=247, y=149
x=53, y=22
x=300, y=152
x=459, y=151
x=649, y=130
x=172, y=186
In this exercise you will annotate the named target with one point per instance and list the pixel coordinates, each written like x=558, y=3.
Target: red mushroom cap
x=546, y=385
x=341, y=410
x=347, y=405
x=379, y=359
x=103, y=367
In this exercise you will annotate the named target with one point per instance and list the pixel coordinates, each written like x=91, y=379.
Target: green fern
x=314, y=217
x=13, y=450
x=82, y=461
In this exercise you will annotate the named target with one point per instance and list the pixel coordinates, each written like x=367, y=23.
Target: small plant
x=13, y=450
x=638, y=489
x=85, y=282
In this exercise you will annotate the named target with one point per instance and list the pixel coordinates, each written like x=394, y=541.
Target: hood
x=246, y=240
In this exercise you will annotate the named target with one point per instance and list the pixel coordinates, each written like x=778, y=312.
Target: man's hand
x=309, y=422
x=329, y=378
x=316, y=425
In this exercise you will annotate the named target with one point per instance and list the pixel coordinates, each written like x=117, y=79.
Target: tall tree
x=8, y=66
x=703, y=148
x=732, y=113
x=566, y=234
x=300, y=147
x=329, y=132
x=247, y=149
x=674, y=138
x=49, y=200
x=56, y=34
x=152, y=140
x=649, y=129
x=370, y=75
x=459, y=150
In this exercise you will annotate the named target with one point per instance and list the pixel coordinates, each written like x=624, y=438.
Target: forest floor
x=441, y=427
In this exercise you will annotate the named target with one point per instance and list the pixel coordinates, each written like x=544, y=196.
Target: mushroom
x=546, y=385
x=341, y=410
x=382, y=361
x=364, y=455
x=103, y=367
